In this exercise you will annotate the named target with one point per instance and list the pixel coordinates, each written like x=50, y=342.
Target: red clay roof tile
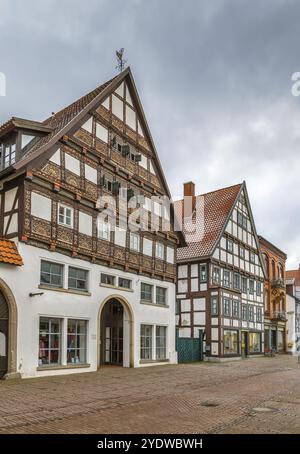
x=9, y=253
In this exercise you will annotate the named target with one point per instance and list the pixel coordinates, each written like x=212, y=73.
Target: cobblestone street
x=259, y=395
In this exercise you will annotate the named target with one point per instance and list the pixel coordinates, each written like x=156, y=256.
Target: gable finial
x=121, y=62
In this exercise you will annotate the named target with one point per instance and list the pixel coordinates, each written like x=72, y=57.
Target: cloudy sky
x=214, y=78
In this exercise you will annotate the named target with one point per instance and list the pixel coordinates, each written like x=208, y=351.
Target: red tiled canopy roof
x=9, y=253
x=217, y=207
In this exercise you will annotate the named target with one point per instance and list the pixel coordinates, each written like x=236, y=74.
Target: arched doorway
x=8, y=333
x=116, y=334
x=4, y=315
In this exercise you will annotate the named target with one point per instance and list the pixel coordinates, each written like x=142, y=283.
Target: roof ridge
x=215, y=190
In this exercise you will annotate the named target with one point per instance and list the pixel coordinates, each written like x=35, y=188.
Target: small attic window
x=26, y=139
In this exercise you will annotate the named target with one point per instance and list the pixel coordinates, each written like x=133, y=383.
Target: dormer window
x=26, y=139
x=8, y=155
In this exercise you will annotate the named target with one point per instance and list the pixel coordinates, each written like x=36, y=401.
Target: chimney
x=189, y=199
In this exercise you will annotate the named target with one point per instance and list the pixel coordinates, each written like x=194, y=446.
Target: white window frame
x=159, y=250
x=103, y=233
x=63, y=223
x=135, y=242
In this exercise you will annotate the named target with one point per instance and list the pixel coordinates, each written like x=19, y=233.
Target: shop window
x=49, y=341
x=76, y=342
x=161, y=342
x=146, y=342
x=230, y=342
x=254, y=342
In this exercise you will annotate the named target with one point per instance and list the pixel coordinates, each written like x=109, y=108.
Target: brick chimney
x=189, y=198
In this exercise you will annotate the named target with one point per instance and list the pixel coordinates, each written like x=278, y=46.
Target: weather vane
x=121, y=62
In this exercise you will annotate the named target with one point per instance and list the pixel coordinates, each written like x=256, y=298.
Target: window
x=226, y=307
x=259, y=315
x=203, y=273
x=216, y=275
x=242, y=252
x=244, y=285
x=159, y=250
x=76, y=342
x=214, y=305
x=254, y=343
x=103, y=230
x=49, y=341
x=65, y=215
x=236, y=281
x=244, y=312
x=226, y=278
x=78, y=279
x=251, y=286
x=52, y=274
x=252, y=257
x=230, y=342
x=251, y=313
x=146, y=292
x=107, y=279
x=146, y=342
x=242, y=220
x=134, y=241
x=161, y=342
x=235, y=309
x=258, y=288
x=9, y=155
x=124, y=283
x=161, y=295
x=229, y=245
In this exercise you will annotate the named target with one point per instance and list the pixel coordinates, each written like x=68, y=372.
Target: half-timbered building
x=76, y=293
x=220, y=274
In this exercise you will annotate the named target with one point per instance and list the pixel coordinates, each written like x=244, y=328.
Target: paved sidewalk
x=259, y=395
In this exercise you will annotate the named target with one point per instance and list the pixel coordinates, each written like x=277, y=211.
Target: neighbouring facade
x=220, y=274
x=293, y=311
x=75, y=292
x=275, y=297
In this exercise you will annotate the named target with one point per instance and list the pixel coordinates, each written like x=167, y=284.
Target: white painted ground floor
x=63, y=315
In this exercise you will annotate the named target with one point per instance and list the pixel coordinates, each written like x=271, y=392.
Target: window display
x=230, y=342
x=49, y=341
x=76, y=342
x=254, y=342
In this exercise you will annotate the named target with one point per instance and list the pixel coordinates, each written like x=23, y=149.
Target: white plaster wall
x=24, y=280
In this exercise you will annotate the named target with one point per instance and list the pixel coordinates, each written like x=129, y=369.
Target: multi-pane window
x=146, y=342
x=161, y=342
x=49, y=341
x=229, y=245
x=78, y=279
x=216, y=275
x=146, y=292
x=214, y=305
x=251, y=286
x=258, y=288
x=65, y=215
x=242, y=220
x=52, y=274
x=134, y=241
x=236, y=281
x=9, y=155
x=252, y=257
x=244, y=285
x=244, y=312
x=251, y=313
x=124, y=283
x=259, y=314
x=107, y=279
x=235, y=309
x=226, y=278
x=203, y=273
x=242, y=252
x=161, y=295
x=226, y=307
x=76, y=341
x=103, y=230
x=159, y=250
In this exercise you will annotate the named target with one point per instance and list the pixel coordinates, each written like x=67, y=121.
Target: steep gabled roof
x=9, y=253
x=218, y=206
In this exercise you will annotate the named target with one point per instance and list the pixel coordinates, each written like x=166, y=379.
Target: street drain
x=209, y=404
x=264, y=410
